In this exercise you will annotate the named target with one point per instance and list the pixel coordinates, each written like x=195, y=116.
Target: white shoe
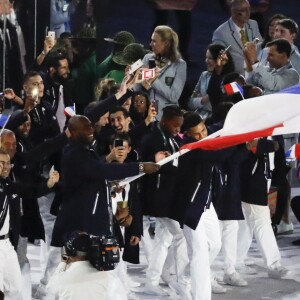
x=277, y=272
x=234, y=279
x=217, y=288
x=154, y=290
x=243, y=269
x=40, y=292
x=285, y=228
x=183, y=291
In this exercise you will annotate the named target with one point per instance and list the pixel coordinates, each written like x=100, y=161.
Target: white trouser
x=245, y=236
x=48, y=219
x=146, y=241
x=10, y=273
x=25, y=267
x=167, y=231
x=198, y=251
x=259, y=222
x=54, y=258
x=229, y=230
x=212, y=229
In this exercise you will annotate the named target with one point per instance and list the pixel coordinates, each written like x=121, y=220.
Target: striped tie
x=243, y=37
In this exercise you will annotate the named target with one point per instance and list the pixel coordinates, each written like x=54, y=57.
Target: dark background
x=137, y=17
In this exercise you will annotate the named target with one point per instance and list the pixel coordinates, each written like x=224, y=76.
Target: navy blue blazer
x=85, y=192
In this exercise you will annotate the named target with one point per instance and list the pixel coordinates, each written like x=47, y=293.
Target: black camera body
x=104, y=253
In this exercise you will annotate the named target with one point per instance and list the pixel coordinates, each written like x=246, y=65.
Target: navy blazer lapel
x=234, y=34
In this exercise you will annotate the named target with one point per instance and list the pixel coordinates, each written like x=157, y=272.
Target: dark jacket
x=43, y=123
x=27, y=170
x=255, y=172
x=193, y=185
x=227, y=190
x=12, y=191
x=85, y=191
x=157, y=188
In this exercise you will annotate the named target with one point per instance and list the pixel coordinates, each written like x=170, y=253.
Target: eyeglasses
x=6, y=163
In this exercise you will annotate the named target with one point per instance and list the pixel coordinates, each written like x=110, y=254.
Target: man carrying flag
x=192, y=206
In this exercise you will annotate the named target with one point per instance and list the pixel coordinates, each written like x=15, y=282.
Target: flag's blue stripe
x=295, y=89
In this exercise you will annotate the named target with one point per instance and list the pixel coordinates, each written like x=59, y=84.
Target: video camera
x=104, y=253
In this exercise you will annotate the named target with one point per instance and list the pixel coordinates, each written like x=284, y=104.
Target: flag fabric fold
x=293, y=153
x=222, y=142
x=232, y=88
x=70, y=111
x=3, y=119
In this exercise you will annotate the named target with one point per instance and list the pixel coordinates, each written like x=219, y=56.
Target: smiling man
x=279, y=74
x=85, y=185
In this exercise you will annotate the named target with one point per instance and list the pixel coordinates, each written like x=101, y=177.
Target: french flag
x=3, y=120
x=70, y=111
x=293, y=153
x=268, y=115
x=232, y=88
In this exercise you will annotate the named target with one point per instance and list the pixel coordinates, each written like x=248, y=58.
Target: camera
x=104, y=252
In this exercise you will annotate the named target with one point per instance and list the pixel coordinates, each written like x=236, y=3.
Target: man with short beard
x=56, y=82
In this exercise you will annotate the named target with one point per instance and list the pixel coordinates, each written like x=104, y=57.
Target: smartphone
x=148, y=73
x=136, y=65
x=34, y=92
x=226, y=49
x=65, y=7
x=155, y=104
x=118, y=143
x=51, y=34
x=151, y=63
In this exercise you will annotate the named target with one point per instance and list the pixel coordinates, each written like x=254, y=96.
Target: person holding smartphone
x=167, y=85
x=207, y=93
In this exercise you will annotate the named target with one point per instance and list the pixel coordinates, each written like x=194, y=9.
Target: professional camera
x=104, y=252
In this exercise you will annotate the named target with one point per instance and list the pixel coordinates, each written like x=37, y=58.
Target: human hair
x=167, y=34
x=30, y=74
x=105, y=88
x=5, y=132
x=215, y=49
x=172, y=111
x=235, y=3
x=231, y=77
x=119, y=108
x=190, y=120
x=289, y=24
x=3, y=152
x=267, y=37
x=54, y=58
x=282, y=46
x=120, y=136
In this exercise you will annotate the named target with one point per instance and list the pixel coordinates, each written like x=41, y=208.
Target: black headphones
x=76, y=237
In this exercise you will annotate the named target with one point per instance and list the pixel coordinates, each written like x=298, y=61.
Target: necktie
x=60, y=113
x=243, y=37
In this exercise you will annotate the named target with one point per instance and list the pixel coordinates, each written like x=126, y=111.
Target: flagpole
x=167, y=159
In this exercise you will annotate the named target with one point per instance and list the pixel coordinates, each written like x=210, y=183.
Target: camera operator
x=76, y=278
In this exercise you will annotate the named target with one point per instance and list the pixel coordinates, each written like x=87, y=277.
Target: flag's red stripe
x=229, y=140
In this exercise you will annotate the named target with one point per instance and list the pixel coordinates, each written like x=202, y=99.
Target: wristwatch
x=141, y=168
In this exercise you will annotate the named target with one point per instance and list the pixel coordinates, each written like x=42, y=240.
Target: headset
x=77, y=244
